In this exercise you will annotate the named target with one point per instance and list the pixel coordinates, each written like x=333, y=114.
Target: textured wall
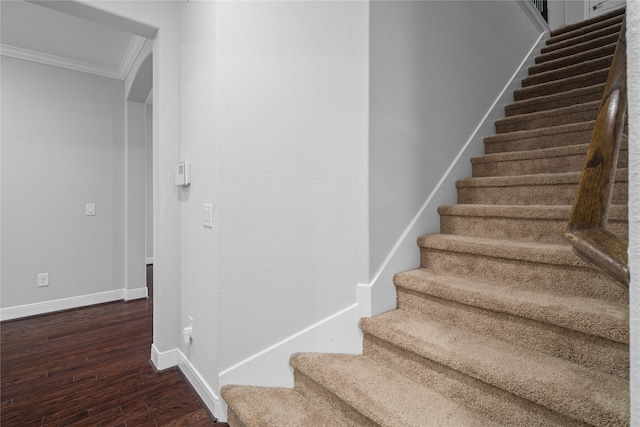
x=62, y=147
x=291, y=103
x=633, y=75
x=437, y=67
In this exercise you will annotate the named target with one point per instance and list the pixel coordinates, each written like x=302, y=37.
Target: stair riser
x=575, y=49
x=582, y=281
x=518, y=123
x=491, y=401
x=233, y=419
x=613, y=29
x=570, y=71
x=532, y=230
x=324, y=399
x=594, y=352
x=522, y=142
x=588, y=31
x=560, y=194
x=568, y=163
x=559, y=86
x=589, y=94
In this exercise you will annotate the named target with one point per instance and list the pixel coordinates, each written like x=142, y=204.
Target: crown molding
x=125, y=66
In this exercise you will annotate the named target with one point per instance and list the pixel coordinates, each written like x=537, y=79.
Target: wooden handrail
x=588, y=221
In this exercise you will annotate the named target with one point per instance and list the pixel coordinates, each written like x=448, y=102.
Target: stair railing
x=587, y=228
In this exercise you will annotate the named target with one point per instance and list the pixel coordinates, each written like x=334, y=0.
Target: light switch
x=90, y=209
x=208, y=215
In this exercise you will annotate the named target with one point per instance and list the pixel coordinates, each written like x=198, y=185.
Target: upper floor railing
x=541, y=5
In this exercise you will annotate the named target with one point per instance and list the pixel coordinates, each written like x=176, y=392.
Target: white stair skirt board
x=337, y=333
x=403, y=255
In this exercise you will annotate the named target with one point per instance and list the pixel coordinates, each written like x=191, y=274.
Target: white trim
x=45, y=307
x=127, y=61
x=338, y=333
x=136, y=45
x=209, y=397
x=164, y=359
x=138, y=293
x=149, y=259
x=403, y=254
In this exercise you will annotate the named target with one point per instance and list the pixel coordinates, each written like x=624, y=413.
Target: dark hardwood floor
x=90, y=367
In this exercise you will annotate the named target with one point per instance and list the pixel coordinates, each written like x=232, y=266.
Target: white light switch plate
x=208, y=215
x=90, y=209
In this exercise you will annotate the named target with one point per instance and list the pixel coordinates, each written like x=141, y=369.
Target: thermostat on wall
x=183, y=173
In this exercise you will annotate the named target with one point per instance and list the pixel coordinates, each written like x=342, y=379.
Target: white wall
x=148, y=181
x=436, y=69
x=63, y=147
x=144, y=18
x=291, y=103
x=199, y=294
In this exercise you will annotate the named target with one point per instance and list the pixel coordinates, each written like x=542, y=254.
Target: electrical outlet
x=191, y=326
x=43, y=280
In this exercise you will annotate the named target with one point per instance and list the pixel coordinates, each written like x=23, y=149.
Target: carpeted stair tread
x=571, y=134
x=604, y=319
x=578, y=41
x=540, y=223
x=585, y=29
x=568, y=71
x=383, y=393
x=591, y=43
x=559, y=100
x=562, y=85
x=533, y=179
x=567, y=388
x=603, y=17
x=542, y=266
x=547, y=253
x=533, y=189
x=579, y=113
x=283, y=407
x=574, y=59
x=568, y=158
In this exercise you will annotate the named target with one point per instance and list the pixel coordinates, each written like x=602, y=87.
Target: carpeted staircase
x=502, y=324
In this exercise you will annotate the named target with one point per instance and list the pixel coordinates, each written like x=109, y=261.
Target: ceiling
x=35, y=33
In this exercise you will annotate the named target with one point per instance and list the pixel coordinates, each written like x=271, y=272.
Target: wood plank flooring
x=90, y=367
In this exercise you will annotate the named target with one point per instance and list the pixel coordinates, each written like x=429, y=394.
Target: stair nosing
x=545, y=114
x=541, y=212
x=530, y=179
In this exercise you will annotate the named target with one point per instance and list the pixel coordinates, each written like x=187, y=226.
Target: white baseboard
x=164, y=359
x=45, y=307
x=138, y=293
x=404, y=255
x=209, y=397
x=175, y=358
